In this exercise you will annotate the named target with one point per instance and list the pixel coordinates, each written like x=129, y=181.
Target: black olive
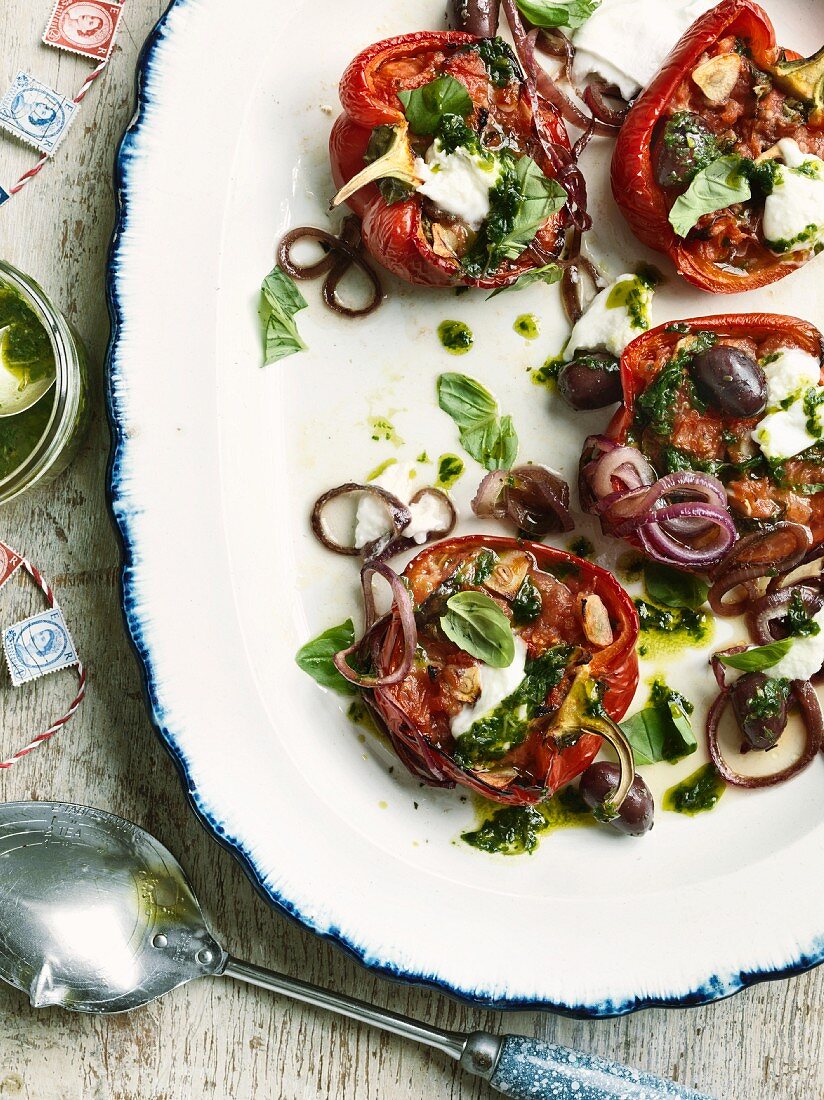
x=637, y=813
x=730, y=381
x=590, y=381
x=478, y=17
x=760, y=705
x=687, y=146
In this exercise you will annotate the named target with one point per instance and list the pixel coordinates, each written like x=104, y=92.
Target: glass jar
x=70, y=400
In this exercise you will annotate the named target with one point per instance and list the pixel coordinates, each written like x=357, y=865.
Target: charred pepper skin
x=635, y=185
x=394, y=234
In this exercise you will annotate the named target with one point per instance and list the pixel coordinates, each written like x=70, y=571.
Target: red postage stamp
x=86, y=27
x=9, y=563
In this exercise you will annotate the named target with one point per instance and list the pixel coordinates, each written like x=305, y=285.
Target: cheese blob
x=372, y=519
x=458, y=182
x=793, y=393
x=794, y=210
x=626, y=41
x=614, y=317
x=497, y=684
x=805, y=656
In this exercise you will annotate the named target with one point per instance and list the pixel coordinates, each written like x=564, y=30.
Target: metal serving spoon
x=97, y=916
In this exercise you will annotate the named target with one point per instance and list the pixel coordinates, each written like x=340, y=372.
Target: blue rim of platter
x=713, y=988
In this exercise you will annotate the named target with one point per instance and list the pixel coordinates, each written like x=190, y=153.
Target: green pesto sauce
x=696, y=794
x=527, y=326
x=450, y=468
x=455, y=337
x=547, y=375
x=669, y=629
x=383, y=430
x=515, y=830
x=358, y=713
x=28, y=355
x=581, y=548
x=631, y=295
x=380, y=469
x=507, y=725
x=631, y=566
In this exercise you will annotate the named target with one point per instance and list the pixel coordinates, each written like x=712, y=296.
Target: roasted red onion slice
x=577, y=268
x=398, y=513
x=534, y=497
x=694, y=530
x=763, y=554
x=773, y=607
x=810, y=707
x=342, y=253
x=595, y=96
x=564, y=164
x=402, y=604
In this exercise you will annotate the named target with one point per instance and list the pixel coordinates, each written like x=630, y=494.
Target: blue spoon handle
x=528, y=1069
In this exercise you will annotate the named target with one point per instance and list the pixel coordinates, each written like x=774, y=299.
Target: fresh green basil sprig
x=489, y=438
x=759, y=657
x=280, y=301
x=475, y=623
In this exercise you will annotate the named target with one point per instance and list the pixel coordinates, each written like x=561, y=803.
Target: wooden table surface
x=216, y=1039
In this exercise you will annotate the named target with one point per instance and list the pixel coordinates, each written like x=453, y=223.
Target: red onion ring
x=774, y=606
x=399, y=515
x=571, y=282
x=404, y=542
x=595, y=98
x=637, y=506
x=813, y=722
x=562, y=160
x=743, y=565
x=402, y=603
x=344, y=252
x=534, y=497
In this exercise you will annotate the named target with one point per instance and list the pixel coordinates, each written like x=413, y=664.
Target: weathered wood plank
x=219, y=1040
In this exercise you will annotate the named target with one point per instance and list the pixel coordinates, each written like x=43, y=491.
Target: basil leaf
x=488, y=438
x=425, y=107
x=661, y=731
x=672, y=588
x=474, y=622
x=537, y=197
x=280, y=301
x=315, y=658
x=549, y=274
x=759, y=658
x=721, y=184
x=558, y=13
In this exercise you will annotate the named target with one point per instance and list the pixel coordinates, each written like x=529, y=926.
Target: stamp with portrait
x=37, y=646
x=85, y=27
x=36, y=113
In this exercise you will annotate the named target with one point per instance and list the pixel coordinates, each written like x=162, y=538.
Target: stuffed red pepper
x=441, y=155
x=727, y=413
x=719, y=162
x=497, y=657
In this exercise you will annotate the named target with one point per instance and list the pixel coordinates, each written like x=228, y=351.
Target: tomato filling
x=732, y=107
x=501, y=123
x=678, y=431
x=560, y=624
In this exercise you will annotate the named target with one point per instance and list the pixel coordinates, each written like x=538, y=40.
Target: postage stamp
x=4, y=196
x=35, y=113
x=37, y=646
x=86, y=27
x=10, y=562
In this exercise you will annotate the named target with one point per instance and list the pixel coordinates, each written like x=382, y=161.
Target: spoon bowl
x=95, y=914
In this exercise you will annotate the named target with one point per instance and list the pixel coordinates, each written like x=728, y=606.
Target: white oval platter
x=215, y=466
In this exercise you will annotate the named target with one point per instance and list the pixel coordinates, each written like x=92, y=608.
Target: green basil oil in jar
x=43, y=386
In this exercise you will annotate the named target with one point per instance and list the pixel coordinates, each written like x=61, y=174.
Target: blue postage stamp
x=38, y=646
x=36, y=113
x=4, y=196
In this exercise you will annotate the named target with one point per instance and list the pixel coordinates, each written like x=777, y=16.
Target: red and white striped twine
x=56, y=726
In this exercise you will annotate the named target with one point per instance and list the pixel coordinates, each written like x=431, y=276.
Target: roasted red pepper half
x=725, y=96
x=579, y=628
x=677, y=380
x=489, y=122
